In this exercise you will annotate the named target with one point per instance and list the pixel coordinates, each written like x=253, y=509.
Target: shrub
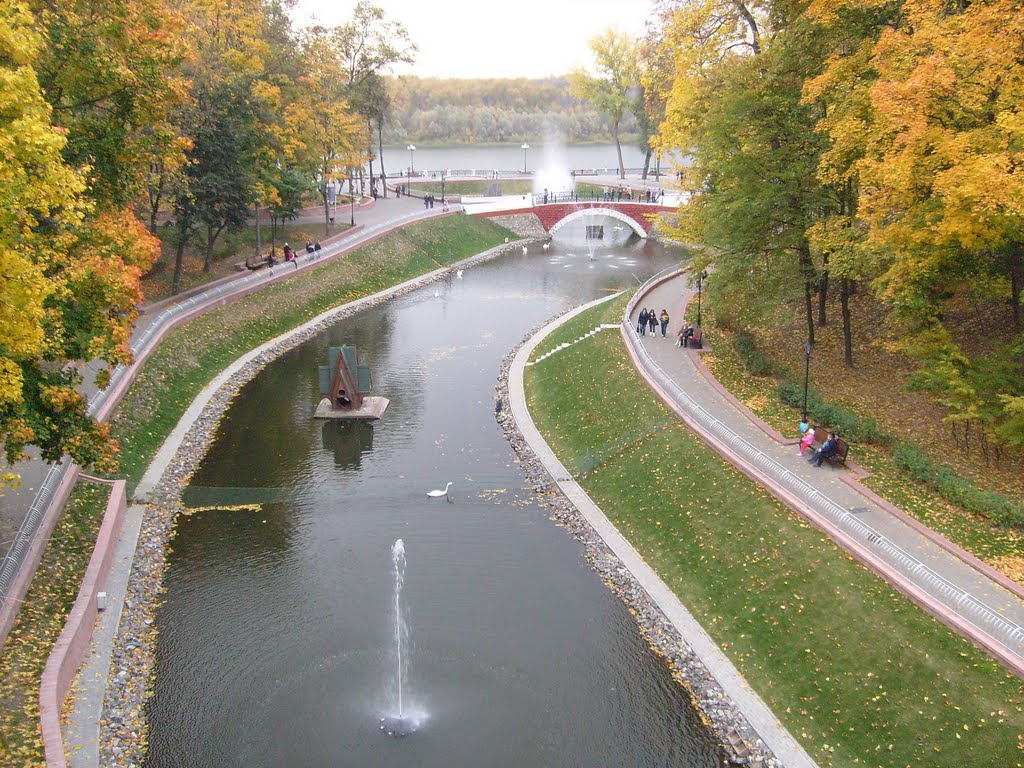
x=845, y=422
x=957, y=489
x=754, y=360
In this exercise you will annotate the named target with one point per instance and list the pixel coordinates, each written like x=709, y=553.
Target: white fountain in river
x=552, y=173
x=402, y=722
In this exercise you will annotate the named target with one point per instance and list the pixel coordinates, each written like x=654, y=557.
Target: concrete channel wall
x=70, y=648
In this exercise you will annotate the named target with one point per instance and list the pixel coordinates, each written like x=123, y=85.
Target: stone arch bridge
x=637, y=216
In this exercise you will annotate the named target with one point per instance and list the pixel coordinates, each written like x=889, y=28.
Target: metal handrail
x=1007, y=633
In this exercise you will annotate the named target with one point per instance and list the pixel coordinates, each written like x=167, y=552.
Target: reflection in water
x=274, y=635
x=348, y=440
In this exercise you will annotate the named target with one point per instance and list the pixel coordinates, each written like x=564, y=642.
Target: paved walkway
x=966, y=595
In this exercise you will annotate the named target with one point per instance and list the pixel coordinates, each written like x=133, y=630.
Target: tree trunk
x=1016, y=281
x=647, y=164
x=154, y=206
x=208, y=256
x=823, y=294
x=844, y=303
x=618, y=149
x=179, y=258
x=327, y=207
x=259, y=242
x=808, y=270
x=380, y=154
x=751, y=22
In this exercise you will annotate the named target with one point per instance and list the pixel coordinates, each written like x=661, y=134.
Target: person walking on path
x=652, y=320
x=807, y=440
x=664, y=322
x=641, y=324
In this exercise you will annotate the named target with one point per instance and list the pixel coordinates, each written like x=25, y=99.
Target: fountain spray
x=399, y=723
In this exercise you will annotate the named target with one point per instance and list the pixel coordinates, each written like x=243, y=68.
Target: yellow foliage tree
x=69, y=277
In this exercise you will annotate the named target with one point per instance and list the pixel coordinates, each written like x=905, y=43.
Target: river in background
x=276, y=631
x=601, y=158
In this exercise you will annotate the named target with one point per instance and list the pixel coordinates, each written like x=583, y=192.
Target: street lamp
x=442, y=186
x=525, y=147
x=351, y=200
x=700, y=279
x=411, y=148
x=808, y=348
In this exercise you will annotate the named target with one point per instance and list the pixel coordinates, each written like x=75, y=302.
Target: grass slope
x=856, y=672
x=40, y=622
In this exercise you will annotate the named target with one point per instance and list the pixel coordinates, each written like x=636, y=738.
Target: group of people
x=429, y=199
x=649, y=319
x=827, y=450
x=289, y=254
x=618, y=194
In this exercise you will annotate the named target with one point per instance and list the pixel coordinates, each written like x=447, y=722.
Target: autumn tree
x=332, y=135
x=369, y=44
x=614, y=86
x=111, y=71
x=735, y=104
x=70, y=275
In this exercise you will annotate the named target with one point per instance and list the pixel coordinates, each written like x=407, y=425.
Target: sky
x=491, y=38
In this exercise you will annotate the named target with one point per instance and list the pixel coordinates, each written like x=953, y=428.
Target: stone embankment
x=740, y=744
x=523, y=224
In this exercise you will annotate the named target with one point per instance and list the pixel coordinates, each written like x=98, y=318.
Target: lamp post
x=525, y=147
x=700, y=280
x=442, y=187
x=351, y=200
x=411, y=148
x=808, y=348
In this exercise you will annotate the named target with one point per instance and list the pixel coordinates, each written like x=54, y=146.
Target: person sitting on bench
x=827, y=451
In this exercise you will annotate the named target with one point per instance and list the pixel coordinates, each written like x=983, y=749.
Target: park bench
x=697, y=340
x=250, y=264
x=842, y=447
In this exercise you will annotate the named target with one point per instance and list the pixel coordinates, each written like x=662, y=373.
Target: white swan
x=524, y=249
x=438, y=494
x=458, y=274
x=546, y=246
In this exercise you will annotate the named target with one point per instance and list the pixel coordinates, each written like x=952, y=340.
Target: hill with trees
x=486, y=111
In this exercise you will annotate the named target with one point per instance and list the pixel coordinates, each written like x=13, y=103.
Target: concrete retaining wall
x=70, y=648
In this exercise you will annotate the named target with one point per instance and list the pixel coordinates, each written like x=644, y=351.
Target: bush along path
x=855, y=671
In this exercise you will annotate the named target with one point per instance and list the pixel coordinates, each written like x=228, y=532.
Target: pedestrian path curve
x=956, y=587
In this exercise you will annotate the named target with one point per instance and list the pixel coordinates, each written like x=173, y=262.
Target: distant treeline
x=432, y=110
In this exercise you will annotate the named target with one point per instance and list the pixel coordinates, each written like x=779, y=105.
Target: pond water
x=277, y=632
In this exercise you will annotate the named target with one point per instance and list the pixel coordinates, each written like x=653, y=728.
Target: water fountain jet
x=401, y=722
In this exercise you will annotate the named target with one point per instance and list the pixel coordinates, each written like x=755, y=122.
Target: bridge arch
x=612, y=213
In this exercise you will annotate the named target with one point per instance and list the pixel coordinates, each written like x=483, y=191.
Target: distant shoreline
x=514, y=144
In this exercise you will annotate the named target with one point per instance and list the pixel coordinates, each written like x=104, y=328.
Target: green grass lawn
x=857, y=673
x=193, y=354
x=40, y=622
